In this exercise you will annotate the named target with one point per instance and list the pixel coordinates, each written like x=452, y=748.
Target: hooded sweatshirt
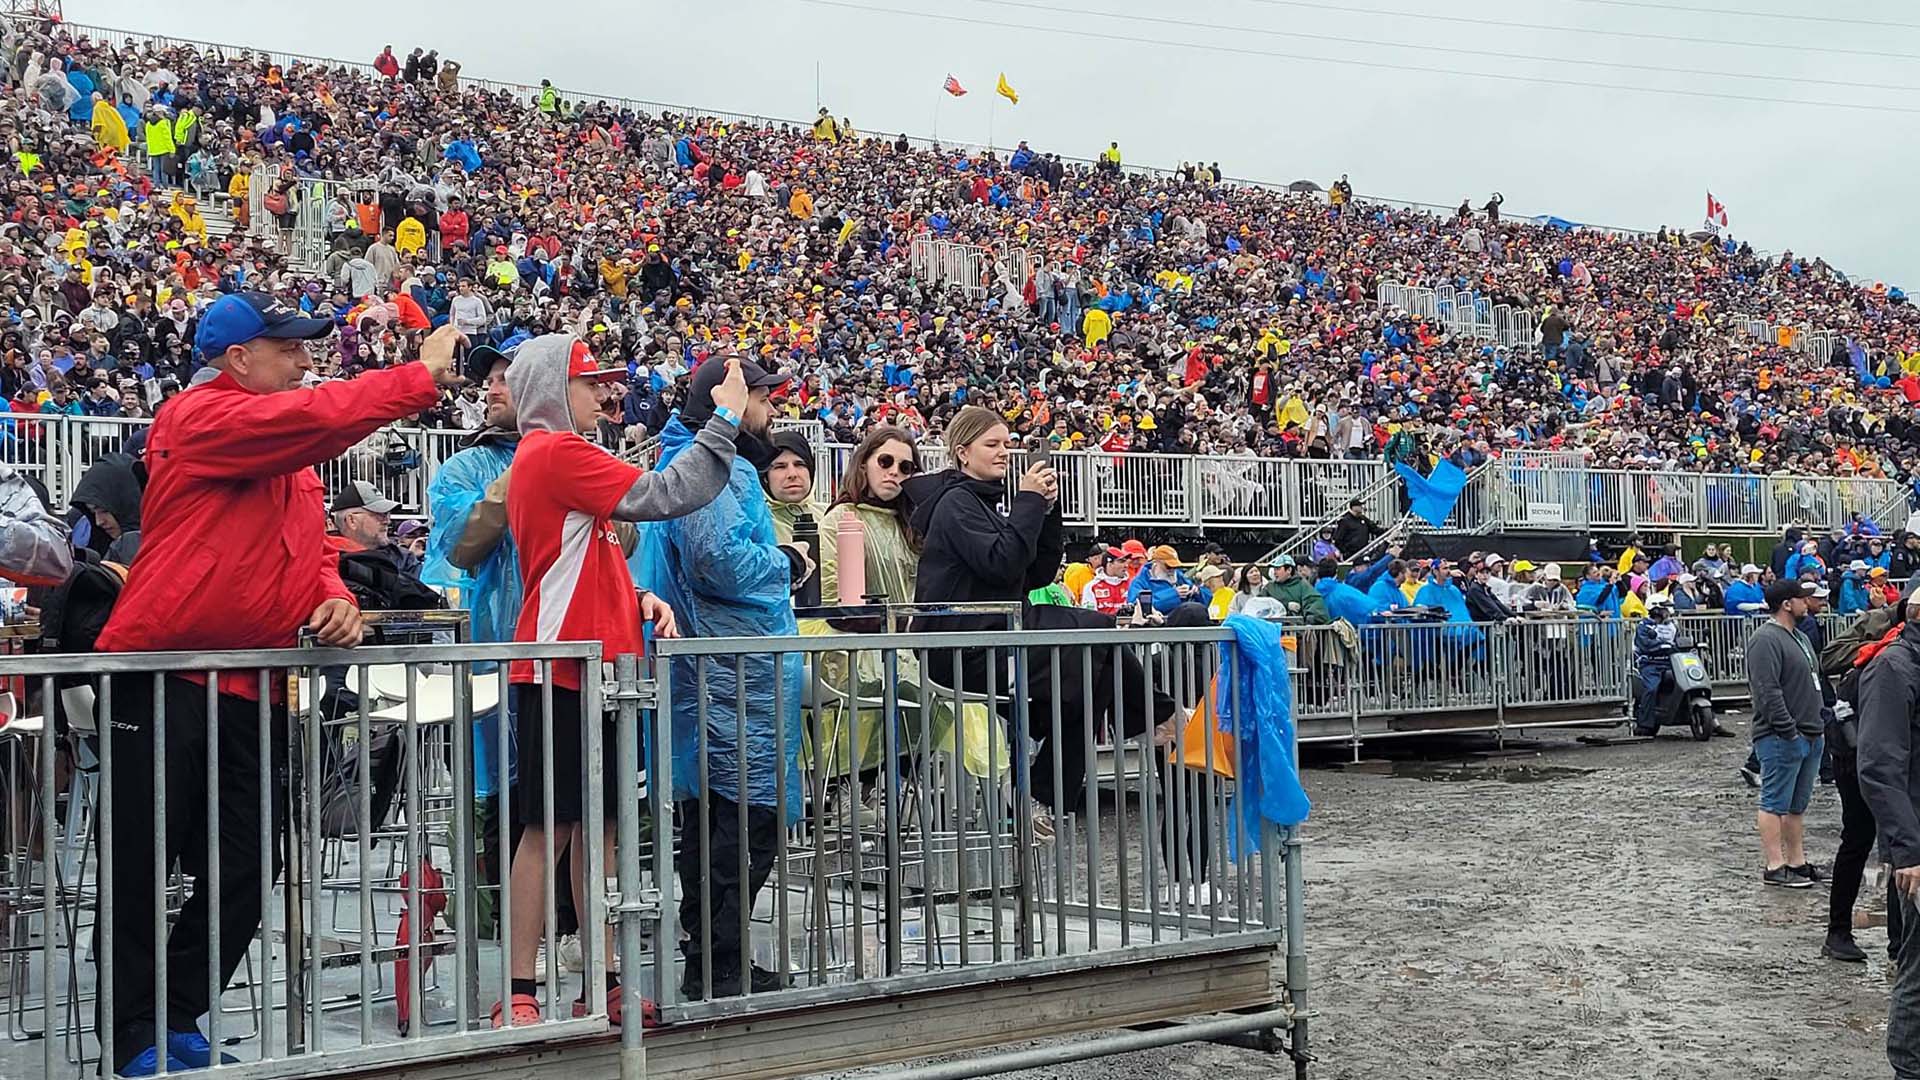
x=563, y=495
x=113, y=485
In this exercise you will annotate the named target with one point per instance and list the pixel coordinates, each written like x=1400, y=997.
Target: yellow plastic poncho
x=1098, y=325
x=110, y=128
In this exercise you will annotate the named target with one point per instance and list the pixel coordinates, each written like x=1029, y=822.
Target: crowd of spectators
x=1172, y=313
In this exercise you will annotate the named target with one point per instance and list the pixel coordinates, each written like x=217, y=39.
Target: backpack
x=378, y=585
x=73, y=614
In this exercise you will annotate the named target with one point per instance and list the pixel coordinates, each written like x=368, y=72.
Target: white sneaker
x=1042, y=824
x=571, y=958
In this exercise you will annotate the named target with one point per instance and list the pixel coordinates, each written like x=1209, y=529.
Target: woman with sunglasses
x=871, y=490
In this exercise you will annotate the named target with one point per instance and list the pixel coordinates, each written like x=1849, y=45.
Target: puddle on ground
x=1445, y=772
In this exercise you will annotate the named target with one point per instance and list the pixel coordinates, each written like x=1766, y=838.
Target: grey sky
x=1810, y=178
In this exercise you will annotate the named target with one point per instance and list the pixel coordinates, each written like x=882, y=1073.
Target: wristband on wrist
x=727, y=414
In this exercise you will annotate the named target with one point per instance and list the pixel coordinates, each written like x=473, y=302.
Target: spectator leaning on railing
x=234, y=458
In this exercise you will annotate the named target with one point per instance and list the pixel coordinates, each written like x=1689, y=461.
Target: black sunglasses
x=906, y=464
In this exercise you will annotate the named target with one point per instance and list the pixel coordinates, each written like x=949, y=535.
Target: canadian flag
x=953, y=87
x=1716, y=213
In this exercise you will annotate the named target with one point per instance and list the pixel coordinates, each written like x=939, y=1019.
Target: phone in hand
x=1040, y=453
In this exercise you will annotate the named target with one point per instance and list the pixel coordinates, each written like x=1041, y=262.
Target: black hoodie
x=974, y=552
x=113, y=484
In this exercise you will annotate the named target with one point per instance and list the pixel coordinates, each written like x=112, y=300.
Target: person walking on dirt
x=1788, y=724
x=1890, y=780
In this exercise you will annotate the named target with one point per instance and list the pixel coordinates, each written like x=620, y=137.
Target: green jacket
x=1297, y=590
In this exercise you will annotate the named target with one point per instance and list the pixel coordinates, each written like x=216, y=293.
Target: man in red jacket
x=234, y=556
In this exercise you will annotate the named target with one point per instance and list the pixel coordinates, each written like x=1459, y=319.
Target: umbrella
x=1303, y=185
x=1702, y=234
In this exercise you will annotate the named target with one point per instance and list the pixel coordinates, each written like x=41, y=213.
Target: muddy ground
x=1570, y=911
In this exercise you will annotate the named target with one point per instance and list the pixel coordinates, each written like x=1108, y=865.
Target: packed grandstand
x=1157, y=312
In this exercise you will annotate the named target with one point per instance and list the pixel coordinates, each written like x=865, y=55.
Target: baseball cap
x=1780, y=592
x=1749, y=568
x=238, y=318
x=1134, y=549
x=1164, y=553
x=1523, y=564
x=1283, y=560
x=1877, y=571
x=361, y=495
x=1495, y=559
x=581, y=365
x=712, y=372
x=480, y=360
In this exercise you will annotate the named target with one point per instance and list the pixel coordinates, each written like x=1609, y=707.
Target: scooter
x=1685, y=696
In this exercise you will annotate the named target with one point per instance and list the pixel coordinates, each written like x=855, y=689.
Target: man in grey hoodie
x=563, y=495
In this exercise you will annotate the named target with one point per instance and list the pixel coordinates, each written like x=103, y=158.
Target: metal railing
x=1100, y=489
x=828, y=820
x=1463, y=313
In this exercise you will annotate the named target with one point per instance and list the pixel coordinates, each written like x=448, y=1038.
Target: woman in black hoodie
x=975, y=552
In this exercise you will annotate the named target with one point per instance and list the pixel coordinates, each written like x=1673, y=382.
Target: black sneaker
x=1809, y=871
x=1786, y=879
x=1842, y=947
x=726, y=983
x=1751, y=776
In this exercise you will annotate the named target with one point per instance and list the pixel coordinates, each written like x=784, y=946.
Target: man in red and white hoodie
x=1107, y=592
x=563, y=497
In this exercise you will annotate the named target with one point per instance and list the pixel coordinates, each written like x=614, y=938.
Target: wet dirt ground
x=1566, y=911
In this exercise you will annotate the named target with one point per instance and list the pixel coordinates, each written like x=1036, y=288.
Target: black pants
x=718, y=865
x=135, y=831
x=1186, y=833
x=1130, y=714
x=1857, y=833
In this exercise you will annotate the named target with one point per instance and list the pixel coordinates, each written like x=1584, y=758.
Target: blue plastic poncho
x=1269, y=780
x=1384, y=595
x=1458, y=636
x=491, y=592
x=720, y=569
x=1344, y=601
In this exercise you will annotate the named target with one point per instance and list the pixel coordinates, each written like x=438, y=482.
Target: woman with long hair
x=873, y=490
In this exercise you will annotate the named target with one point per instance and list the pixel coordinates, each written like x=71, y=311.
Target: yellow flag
x=1006, y=91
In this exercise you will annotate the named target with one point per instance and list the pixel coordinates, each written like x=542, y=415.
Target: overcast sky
x=1267, y=89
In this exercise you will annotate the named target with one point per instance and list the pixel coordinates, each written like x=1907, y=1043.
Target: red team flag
x=954, y=87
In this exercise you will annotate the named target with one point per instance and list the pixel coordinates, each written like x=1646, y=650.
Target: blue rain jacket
x=491, y=593
x=1269, y=787
x=721, y=570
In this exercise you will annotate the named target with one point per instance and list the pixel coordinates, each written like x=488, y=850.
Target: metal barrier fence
x=341, y=885
x=1123, y=490
x=1819, y=344
x=290, y=863
x=1463, y=313
x=943, y=263
x=1402, y=678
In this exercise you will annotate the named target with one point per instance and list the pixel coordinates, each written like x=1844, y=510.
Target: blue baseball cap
x=238, y=318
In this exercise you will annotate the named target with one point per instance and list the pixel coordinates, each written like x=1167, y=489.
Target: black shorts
x=569, y=759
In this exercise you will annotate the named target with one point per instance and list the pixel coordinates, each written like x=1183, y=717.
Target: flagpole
x=936, y=112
